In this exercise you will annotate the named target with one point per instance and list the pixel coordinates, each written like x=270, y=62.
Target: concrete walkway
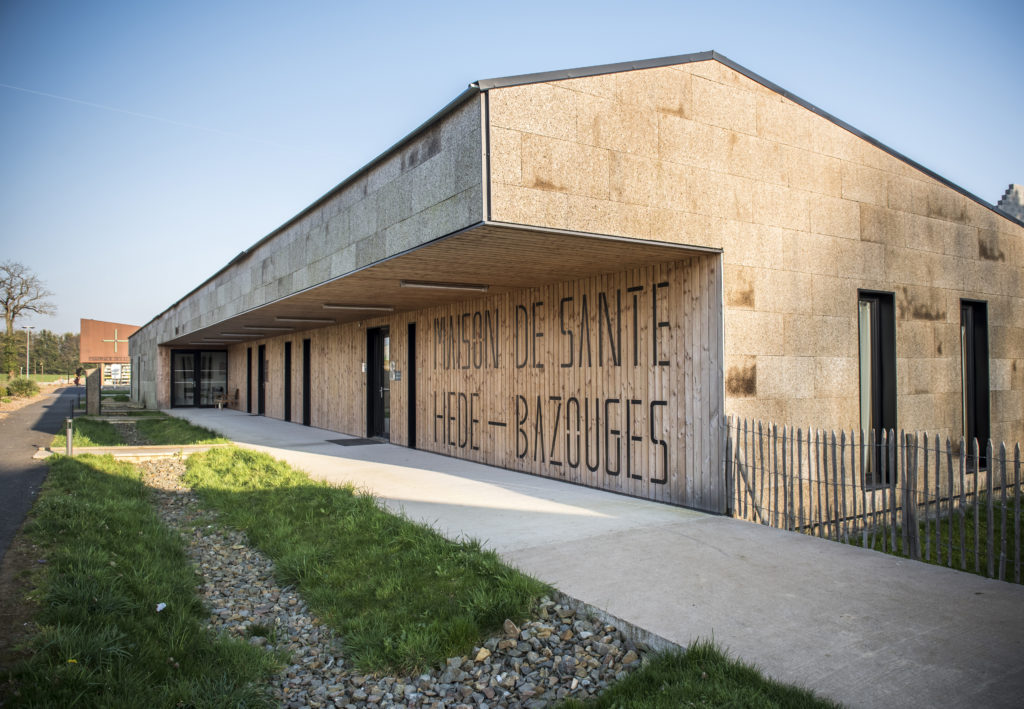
x=863, y=628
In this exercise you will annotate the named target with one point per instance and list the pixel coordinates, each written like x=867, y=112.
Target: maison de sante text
x=576, y=421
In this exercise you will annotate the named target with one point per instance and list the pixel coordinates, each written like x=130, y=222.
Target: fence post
x=729, y=483
x=991, y=526
x=949, y=463
x=1002, y=516
x=1016, y=513
x=841, y=508
x=905, y=492
x=800, y=476
x=914, y=532
x=977, y=500
x=927, y=524
x=760, y=458
x=963, y=504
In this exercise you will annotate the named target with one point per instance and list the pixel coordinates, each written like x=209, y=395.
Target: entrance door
x=306, y=379
x=287, y=381
x=198, y=377
x=410, y=385
x=378, y=383
x=248, y=380
x=261, y=380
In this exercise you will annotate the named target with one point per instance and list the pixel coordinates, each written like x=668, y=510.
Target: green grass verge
x=974, y=526
x=48, y=377
x=171, y=431
x=89, y=433
x=401, y=596
x=703, y=676
x=156, y=428
x=101, y=641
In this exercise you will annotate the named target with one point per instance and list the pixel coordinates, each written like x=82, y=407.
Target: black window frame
x=883, y=384
x=975, y=384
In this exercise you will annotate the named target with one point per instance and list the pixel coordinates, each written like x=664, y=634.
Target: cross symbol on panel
x=115, y=340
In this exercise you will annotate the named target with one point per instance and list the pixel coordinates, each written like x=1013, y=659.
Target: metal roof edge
x=596, y=70
x=504, y=82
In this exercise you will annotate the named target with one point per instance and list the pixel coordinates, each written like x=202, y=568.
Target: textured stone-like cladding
x=671, y=153
x=428, y=188
x=806, y=213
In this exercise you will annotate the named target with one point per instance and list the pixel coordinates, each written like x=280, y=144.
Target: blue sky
x=144, y=145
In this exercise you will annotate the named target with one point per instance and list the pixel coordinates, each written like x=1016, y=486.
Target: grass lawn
x=401, y=596
x=703, y=676
x=102, y=642
x=89, y=433
x=171, y=431
x=973, y=530
x=157, y=429
x=49, y=377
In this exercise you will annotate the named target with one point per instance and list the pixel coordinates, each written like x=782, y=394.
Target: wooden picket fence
x=906, y=493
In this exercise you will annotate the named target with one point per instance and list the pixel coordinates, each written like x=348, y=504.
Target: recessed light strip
x=314, y=320
x=438, y=285
x=338, y=306
x=267, y=329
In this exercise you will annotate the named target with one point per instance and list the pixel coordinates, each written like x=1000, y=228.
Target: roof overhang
x=482, y=260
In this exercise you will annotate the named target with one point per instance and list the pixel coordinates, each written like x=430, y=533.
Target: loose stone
x=555, y=655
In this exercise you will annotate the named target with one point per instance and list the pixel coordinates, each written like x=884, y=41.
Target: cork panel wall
x=806, y=213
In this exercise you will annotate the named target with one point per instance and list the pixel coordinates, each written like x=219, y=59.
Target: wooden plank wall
x=612, y=382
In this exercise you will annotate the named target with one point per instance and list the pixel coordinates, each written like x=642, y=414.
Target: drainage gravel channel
x=558, y=654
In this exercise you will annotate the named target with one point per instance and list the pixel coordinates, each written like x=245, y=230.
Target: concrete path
x=864, y=628
x=22, y=434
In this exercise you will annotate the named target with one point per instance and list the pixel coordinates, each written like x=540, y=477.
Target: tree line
x=50, y=353
x=22, y=292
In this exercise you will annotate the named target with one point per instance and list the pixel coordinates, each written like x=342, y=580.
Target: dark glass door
x=410, y=385
x=198, y=377
x=248, y=379
x=213, y=377
x=261, y=380
x=307, y=395
x=287, y=381
x=378, y=383
x=183, y=378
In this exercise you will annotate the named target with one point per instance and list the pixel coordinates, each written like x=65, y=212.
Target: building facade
x=579, y=274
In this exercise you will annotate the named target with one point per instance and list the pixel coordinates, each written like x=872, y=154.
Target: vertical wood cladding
x=612, y=382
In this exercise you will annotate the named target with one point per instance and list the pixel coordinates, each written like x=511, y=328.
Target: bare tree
x=21, y=291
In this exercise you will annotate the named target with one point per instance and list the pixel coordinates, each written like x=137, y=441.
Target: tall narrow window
x=877, y=354
x=974, y=376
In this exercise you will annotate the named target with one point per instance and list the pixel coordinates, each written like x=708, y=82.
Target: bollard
x=70, y=435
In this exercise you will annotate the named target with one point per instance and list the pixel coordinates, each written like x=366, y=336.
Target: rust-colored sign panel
x=104, y=342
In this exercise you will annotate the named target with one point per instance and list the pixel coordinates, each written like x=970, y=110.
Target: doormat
x=354, y=441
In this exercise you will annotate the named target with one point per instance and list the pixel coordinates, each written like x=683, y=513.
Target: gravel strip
x=129, y=433
x=555, y=655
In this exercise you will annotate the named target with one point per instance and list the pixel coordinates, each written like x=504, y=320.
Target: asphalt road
x=22, y=433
